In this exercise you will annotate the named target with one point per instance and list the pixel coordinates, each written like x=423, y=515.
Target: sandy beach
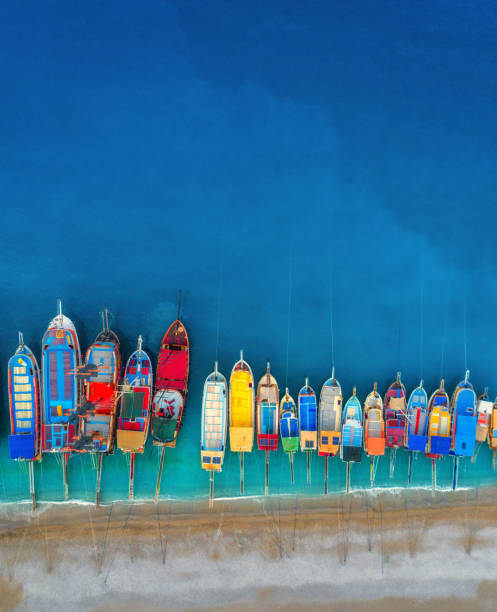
x=411, y=550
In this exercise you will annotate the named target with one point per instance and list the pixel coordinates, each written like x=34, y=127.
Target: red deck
x=267, y=441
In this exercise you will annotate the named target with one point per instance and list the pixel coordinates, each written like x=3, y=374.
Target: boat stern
x=130, y=441
x=241, y=439
x=329, y=443
x=267, y=442
x=308, y=440
x=212, y=461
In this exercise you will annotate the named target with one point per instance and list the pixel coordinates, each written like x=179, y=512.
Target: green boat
x=289, y=424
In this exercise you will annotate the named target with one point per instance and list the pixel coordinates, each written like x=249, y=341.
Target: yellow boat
x=492, y=430
x=330, y=418
x=241, y=423
x=439, y=424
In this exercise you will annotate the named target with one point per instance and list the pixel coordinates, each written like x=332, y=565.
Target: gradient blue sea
x=342, y=155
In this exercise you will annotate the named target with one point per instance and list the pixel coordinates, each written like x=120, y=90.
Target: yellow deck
x=308, y=436
x=211, y=467
x=439, y=423
x=241, y=411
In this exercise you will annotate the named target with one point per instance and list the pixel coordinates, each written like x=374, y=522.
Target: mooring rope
x=332, y=335
x=444, y=337
x=290, y=266
x=465, y=327
x=219, y=299
x=421, y=321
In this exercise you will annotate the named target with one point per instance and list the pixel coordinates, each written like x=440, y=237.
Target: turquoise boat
x=351, y=447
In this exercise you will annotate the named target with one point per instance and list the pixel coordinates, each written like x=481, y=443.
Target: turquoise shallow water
x=148, y=149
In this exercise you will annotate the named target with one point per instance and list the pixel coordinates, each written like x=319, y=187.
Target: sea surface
x=319, y=180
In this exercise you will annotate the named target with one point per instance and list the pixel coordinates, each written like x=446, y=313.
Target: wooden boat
x=307, y=413
x=241, y=417
x=60, y=358
x=214, y=421
x=134, y=419
x=492, y=431
x=330, y=418
x=267, y=412
x=395, y=414
x=374, y=426
x=438, y=424
x=24, y=408
x=351, y=446
x=464, y=419
x=484, y=409
x=289, y=428
x=24, y=404
x=417, y=420
x=171, y=385
x=289, y=425
x=98, y=414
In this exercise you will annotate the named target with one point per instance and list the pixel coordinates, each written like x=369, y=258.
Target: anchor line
x=465, y=328
x=421, y=323
x=332, y=339
x=289, y=316
x=444, y=337
x=219, y=299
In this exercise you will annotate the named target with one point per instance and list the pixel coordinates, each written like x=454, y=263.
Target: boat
x=351, y=446
x=395, y=414
x=214, y=425
x=464, y=419
x=308, y=423
x=492, y=432
x=134, y=418
x=374, y=426
x=100, y=374
x=330, y=418
x=417, y=420
x=289, y=428
x=267, y=412
x=307, y=414
x=438, y=423
x=24, y=408
x=24, y=404
x=60, y=358
x=267, y=418
x=214, y=421
x=241, y=416
x=484, y=409
x=171, y=385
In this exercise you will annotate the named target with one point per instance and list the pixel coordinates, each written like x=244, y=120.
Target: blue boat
x=307, y=413
x=464, y=419
x=417, y=423
x=60, y=359
x=24, y=404
x=351, y=448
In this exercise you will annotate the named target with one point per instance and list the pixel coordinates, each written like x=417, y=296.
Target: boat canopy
x=308, y=412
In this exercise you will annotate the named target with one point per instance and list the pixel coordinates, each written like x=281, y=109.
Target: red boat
x=395, y=414
x=171, y=385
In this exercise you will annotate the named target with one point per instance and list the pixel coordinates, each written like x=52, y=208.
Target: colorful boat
x=134, y=418
x=417, y=420
x=98, y=414
x=136, y=395
x=241, y=416
x=492, y=431
x=24, y=404
x=464, y=419
x=374, y=426
x=438, y=424
x=214, y=421
x=330, y=417
x=307, y=413
x=60, y=358
x=395, y=414
x=171, y=385
x=351, y=446
x=289, y=425
x=484, y=409
x=267, y=412
x=241, y=421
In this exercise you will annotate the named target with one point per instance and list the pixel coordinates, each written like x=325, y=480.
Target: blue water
x=146, y=149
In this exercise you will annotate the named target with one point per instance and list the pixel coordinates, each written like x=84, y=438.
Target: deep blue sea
x=338, y=158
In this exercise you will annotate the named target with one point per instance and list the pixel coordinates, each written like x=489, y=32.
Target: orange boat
x=374, y=428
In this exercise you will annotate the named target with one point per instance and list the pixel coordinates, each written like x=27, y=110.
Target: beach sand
x=405, y=550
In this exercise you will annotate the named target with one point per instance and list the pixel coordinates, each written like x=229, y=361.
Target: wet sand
x=361, y=551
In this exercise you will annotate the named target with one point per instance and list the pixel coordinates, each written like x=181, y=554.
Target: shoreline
x=250, y=552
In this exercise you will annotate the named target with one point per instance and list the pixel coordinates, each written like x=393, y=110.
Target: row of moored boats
x=77, y=404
